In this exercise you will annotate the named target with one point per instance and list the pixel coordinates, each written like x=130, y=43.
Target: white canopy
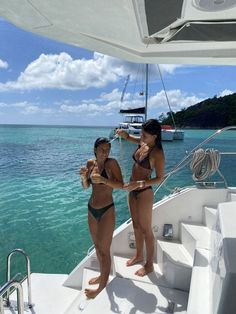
x=148, y=31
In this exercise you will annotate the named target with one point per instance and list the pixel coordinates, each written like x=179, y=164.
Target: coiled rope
x=204, y=163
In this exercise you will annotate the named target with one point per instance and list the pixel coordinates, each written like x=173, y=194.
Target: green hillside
x=210, y=113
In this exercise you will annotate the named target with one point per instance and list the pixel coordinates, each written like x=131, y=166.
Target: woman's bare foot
x=144, y=270
x=94, y=281
x=91, y=293
x=134, y=260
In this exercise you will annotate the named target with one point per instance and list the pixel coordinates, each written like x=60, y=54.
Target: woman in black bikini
x=148, y=156
x=104, y=174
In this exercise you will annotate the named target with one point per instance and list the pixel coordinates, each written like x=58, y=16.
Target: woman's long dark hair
x=99, y=141
x=153, y=127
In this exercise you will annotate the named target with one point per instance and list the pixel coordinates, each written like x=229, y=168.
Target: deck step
x=199, y=294
x=175, y=263
x=195, y=236
x=209, y=216
x=81, y=302
x=121, y=270
x=87, y=275
x=233, y=197
x=131, y=296
x=48, y=295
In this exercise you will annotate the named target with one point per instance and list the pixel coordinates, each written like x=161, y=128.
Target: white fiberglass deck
x=132, y=296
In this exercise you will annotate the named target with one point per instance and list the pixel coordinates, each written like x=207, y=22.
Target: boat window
x=205, y=31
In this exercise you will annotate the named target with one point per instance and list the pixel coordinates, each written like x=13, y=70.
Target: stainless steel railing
x=186, y=160
x=90, y=250
x=6, y=288
x=8, y=274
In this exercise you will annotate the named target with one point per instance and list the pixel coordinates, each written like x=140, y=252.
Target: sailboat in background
x=168, y=129
x=135, y=117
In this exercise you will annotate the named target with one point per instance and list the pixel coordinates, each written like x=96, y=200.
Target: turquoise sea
x=43, y=208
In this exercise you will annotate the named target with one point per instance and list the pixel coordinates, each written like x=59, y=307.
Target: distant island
x=210, y=113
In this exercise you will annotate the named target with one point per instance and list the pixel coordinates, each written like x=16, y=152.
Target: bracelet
x=141, y=184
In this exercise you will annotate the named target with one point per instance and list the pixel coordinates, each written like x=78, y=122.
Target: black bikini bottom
x=97, y=213
x=135, y=193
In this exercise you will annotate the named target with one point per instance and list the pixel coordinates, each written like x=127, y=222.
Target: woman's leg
x=105, y=230
x=93, y=227
x=144, y=210
x=139, y=238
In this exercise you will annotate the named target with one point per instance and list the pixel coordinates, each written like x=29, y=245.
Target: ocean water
x=43, y=208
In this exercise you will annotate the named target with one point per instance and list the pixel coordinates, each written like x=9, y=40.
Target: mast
x=146, y=93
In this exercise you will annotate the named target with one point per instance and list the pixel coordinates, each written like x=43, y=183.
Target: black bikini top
x=145, y=162
x=104, y=173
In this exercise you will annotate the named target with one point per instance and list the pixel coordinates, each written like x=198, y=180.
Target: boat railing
x=90, y=250
x=8, y=274
x=187, y=159
x=6, y=288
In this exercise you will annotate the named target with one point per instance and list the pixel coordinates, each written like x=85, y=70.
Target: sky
x=47, y=82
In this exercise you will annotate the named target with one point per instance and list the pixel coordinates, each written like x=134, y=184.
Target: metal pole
x=1, y=305
x=20, y=300
x=8, y=274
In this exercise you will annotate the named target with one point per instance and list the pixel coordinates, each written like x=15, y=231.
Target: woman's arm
x=116, y=180
x=158, y=161
x=127, y=136
x=84, y=174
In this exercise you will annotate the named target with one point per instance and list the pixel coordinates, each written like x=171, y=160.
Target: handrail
x=186, y=159
x=8, y=274
x=1, y=305
x=90, y=249
x=20, y=301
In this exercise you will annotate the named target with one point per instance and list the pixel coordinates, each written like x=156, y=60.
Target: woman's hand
x=142, y=152
x=83, y=173
x=122, y=133
x=133, y=185
x=97, y=178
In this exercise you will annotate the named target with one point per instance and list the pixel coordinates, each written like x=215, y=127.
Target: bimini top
x=148, y=31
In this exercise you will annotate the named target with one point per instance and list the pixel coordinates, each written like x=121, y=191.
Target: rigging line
x=135, y=81
x=124, y=89
x=167, y=99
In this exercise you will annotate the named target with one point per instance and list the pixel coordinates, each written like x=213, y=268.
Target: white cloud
x=84, y=108
x=225, y=92
x=3, y=64
x=22, y=104
x=115, y=94
x=111, y=103
x=26, y=108
x=106, y=107
x=176, y=98
x=169, y=68
x=62, y=72
x=2, y=104
x=33, y=109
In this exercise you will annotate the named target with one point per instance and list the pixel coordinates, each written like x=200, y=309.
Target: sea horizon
x=88, y=126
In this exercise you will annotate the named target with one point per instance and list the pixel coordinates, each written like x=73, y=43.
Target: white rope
x=204, y=163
